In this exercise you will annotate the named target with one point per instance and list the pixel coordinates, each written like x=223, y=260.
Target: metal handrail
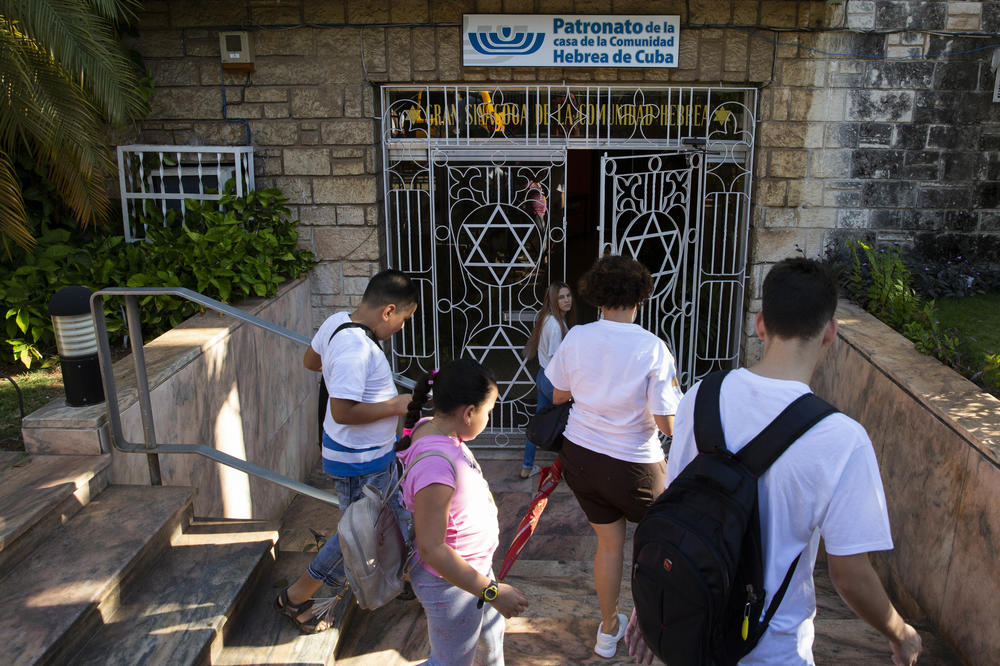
x=149, y=446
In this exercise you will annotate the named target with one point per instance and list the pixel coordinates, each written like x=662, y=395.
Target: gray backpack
x=377, y=553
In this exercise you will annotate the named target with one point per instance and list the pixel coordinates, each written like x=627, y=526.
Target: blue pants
x=544, y=396
x=454, y=623
x=328, y=565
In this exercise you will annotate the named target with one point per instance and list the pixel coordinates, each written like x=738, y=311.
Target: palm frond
x=45, y=106
x=84, y=44
x=12, y=217
x=62, y=74
x=116, y=11
x=79, y=179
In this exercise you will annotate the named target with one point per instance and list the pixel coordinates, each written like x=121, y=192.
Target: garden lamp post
x=76, y=339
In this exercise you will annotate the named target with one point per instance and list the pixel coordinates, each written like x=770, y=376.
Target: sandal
x=528, y=472
x=293, y=611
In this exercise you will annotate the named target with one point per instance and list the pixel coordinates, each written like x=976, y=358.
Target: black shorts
x=607, y=488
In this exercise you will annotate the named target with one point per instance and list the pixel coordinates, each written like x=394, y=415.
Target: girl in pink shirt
x=455, y=518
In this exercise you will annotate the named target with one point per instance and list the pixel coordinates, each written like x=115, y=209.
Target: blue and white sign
x=569, y=40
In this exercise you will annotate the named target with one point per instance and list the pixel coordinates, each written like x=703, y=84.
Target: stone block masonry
x=861, y=127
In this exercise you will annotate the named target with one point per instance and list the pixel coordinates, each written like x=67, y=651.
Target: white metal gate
x=456, y=162
x=496, y=256
x=652, y=219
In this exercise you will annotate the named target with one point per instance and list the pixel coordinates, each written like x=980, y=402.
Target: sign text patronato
x=569, y=40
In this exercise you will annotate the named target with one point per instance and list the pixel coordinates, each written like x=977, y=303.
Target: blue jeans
x=455, y=623
x=544, y=396
x=328, y=565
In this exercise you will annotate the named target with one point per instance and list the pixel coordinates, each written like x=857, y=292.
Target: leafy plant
x=931, y=338
x=991, y=372
x=880, y=282
x=229, y=250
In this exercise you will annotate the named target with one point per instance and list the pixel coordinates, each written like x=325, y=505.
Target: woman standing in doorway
x=623, y=384
x=553, y=321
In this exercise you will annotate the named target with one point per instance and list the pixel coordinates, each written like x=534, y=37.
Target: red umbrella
x=548, y=479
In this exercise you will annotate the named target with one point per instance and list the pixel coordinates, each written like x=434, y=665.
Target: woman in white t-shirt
x=623, y=384
x=554, y=319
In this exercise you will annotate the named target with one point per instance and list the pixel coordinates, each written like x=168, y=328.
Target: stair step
x=264, y=636
x=40, y=493
x=303, y=519
x=393, y=635
x=178, y=612
x=54, y=599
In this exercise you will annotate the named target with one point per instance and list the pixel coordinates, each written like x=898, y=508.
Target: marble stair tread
x=178, y=612
x=261, y=635
x=56, y=597
x=39, y=493
x=393, y=635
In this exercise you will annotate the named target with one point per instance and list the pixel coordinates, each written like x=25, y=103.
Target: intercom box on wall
x=236, y=49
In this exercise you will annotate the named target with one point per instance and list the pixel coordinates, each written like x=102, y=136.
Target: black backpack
x=324, y=393
x=697, y=567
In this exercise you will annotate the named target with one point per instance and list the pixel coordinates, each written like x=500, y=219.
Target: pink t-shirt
x=473, y=531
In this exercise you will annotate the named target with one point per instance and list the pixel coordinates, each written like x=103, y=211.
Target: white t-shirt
x=549, y=340
x=355, y=368
x=619, y=375
x=826, y=484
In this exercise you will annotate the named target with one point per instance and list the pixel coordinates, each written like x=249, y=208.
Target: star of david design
x=669, y=240
x=498, y=351
x=521, y=233
x=722, y=115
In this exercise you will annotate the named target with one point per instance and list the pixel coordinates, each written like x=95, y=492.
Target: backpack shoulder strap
x=798, y=417
x=708, y=434
x=351, y=324
x=413, y=462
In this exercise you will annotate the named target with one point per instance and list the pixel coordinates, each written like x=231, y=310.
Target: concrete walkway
x=554, y=571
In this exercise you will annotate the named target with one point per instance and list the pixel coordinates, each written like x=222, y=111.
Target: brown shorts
x=608, y=488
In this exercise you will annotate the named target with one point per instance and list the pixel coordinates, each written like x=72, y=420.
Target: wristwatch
x=489, y=593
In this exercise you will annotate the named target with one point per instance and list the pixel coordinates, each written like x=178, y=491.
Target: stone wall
x=211, y=383
x=937, y=438
x=848, y=143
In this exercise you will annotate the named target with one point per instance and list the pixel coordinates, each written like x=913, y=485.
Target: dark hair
x=799, y=298
x=550, y=308
x=458, y=383
x=390, y=287
x=616, y=282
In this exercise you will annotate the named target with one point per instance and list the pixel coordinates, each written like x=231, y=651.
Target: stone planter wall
x=216, y=381
x=937, y=438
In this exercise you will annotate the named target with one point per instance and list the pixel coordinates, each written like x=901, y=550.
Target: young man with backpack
x=825, y=484
x=359, y=429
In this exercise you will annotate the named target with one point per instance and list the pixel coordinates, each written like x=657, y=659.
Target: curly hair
x=616, y=282
x=458, y=383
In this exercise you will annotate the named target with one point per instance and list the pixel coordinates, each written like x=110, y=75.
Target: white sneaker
x=607, y=644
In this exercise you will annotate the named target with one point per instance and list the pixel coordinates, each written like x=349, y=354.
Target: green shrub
x=991, y=373
x=228, y=250
x=880, y=281
x=930, y=337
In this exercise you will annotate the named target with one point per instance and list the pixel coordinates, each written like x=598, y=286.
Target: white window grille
x=167, y=175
